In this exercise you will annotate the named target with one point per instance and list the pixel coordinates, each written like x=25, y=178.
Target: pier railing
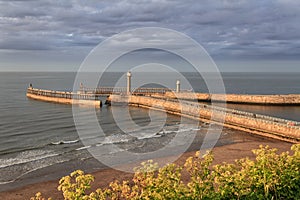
x=62, y=94
x=123, y=90
x=90, y=94
x=95, y=93
x=274, y=127
x=244, y=114
x=197, y=107
x=289, y=130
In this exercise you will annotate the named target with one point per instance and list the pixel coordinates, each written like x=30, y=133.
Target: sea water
x=39, y=140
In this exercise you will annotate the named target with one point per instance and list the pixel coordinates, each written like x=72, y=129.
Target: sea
x=39, y=140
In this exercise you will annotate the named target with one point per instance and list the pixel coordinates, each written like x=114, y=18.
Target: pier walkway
x=273, y=127
x=89, y=96
x=159, y=99
x=271, y=99
x=64, y=97
x=122, y=90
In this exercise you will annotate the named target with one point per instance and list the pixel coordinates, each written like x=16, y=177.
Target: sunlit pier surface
x=168, y=100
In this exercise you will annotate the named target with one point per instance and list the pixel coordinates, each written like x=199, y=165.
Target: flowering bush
x=269, y=176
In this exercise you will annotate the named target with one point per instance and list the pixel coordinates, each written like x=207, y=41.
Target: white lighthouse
x=177, y=86
x=128, y=83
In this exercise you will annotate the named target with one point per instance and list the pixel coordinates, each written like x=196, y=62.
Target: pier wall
x=258, y=124
x=62, y=97
x=254, y=123
x=288, y=99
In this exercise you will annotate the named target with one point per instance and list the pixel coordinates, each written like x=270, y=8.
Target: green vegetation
x=269, y=176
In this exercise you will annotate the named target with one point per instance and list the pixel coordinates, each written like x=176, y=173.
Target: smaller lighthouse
x=177, y=86
x=128, y=83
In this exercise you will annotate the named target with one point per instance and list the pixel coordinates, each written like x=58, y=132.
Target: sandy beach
x=227, y=153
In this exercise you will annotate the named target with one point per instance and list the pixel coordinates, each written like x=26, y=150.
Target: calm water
x=38, y=140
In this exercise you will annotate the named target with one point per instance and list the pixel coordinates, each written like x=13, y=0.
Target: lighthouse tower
x=128, y=83
x=178, y=86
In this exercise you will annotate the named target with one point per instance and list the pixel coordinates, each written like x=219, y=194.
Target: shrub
x=38, y=196
x=269, y=176
x=75, y=185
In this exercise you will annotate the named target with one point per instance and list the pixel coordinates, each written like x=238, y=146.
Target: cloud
x=226, y=28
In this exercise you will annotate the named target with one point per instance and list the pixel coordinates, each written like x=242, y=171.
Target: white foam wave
x=32, y=170
x=6, y=182
x=143, y=135
x=82, y=148
x=147, y=136
x=114, y=151
x=118, y=138
x=165, y=132
x=114, y=139
x=25, y=157
x=65, y=142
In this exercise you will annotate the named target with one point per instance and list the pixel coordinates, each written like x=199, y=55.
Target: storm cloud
x=228, y=29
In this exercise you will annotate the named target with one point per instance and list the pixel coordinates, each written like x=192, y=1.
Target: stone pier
x=272, y=127
x=63, y=97
x=283, y=99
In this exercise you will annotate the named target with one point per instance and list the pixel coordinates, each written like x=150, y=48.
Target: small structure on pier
x=128, y=83
x=165, y=99
x=178, y=86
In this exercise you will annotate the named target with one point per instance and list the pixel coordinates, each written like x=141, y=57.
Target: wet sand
x=227, y=153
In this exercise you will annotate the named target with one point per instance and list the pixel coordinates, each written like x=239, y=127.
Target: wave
x=6, y=182
x=180, y=130
x=26, y=157
x=84, y=147
x=140, y=135
x=29, y=171
x=64, y=142
x=114, y=139
x=131, y=137
x=147, y=136
x=117, y=139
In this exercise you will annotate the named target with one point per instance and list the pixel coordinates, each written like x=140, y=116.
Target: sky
x=240, y=35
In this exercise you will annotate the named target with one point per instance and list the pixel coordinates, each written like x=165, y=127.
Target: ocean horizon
x=39, y=140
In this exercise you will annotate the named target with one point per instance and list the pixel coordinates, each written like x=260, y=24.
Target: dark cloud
x=226, y=28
